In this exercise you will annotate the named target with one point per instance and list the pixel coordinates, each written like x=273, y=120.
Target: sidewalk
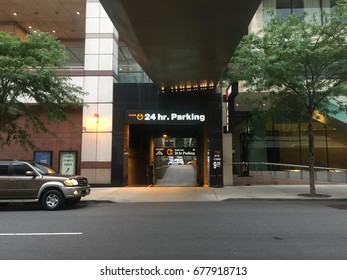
x=194, y=194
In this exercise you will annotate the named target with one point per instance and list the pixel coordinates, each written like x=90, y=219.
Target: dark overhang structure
x=178, y=43
x=182, y=43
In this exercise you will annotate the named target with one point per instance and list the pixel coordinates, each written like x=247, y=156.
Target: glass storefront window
x=75, y=56
x=129, y=71
x=283, y=8
x=284, y=139
x=313, y=8
x=298, y=6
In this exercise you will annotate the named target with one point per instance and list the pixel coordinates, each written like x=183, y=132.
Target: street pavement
x=179, y=176
x=194, y=194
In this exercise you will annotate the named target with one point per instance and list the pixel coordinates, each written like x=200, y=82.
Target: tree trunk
x=311, y=155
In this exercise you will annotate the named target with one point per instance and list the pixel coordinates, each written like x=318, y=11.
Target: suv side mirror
x=30, y=173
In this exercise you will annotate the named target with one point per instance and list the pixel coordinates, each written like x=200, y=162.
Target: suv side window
x=20, y=169
x=4, y=169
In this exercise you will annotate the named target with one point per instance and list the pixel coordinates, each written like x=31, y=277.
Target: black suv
x=28, y=181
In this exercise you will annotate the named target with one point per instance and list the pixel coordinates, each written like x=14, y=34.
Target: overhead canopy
x=182, y=43
x=179, y=43
x=63, y=18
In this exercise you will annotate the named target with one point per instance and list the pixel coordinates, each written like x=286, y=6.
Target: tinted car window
x=3, y=169
x=20, y=169
x=43, y=169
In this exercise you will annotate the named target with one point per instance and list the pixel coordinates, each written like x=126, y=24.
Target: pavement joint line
x=215, y=195
x=40, y=233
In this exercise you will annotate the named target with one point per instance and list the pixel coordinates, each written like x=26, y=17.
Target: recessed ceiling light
x=53, y=31
x=78, y=13
x=15, y=14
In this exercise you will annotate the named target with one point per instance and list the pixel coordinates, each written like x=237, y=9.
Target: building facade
x=112, y=146
x=283, y=139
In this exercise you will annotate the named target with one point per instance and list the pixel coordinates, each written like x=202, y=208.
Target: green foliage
x=298, y=63
x=301, y=56
x=29, y=83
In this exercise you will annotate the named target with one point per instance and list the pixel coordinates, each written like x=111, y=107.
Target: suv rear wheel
x=52, y=200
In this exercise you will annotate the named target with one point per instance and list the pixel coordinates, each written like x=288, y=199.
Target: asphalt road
x=102, y=230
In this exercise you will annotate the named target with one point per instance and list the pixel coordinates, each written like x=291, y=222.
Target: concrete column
x=228, y=159
x=205, y=159
x=101, y=64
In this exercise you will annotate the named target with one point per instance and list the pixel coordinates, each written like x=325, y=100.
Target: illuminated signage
x=138, y=117
x=174, y=151
x=217, y=159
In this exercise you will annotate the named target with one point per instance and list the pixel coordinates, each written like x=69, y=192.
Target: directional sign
x=170, y=152
x=160, y=151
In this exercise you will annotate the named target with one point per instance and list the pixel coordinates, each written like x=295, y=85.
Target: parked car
x=176, y=161
x=28, y=181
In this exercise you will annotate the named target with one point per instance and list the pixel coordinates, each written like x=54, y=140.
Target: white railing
x=290, y=171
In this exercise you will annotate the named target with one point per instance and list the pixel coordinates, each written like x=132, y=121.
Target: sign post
x=217, y=165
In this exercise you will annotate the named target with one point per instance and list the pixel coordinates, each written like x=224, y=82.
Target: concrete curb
x=195, y=194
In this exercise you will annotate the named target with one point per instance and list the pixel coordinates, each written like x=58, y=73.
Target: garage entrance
x=171, y=155
x=178, y=175
x=175, y=161
x=146, y=119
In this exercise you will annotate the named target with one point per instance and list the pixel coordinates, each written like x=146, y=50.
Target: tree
x=300, y=58
x=29, y=84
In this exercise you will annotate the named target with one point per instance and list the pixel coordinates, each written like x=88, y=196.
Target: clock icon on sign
x=140, y=117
